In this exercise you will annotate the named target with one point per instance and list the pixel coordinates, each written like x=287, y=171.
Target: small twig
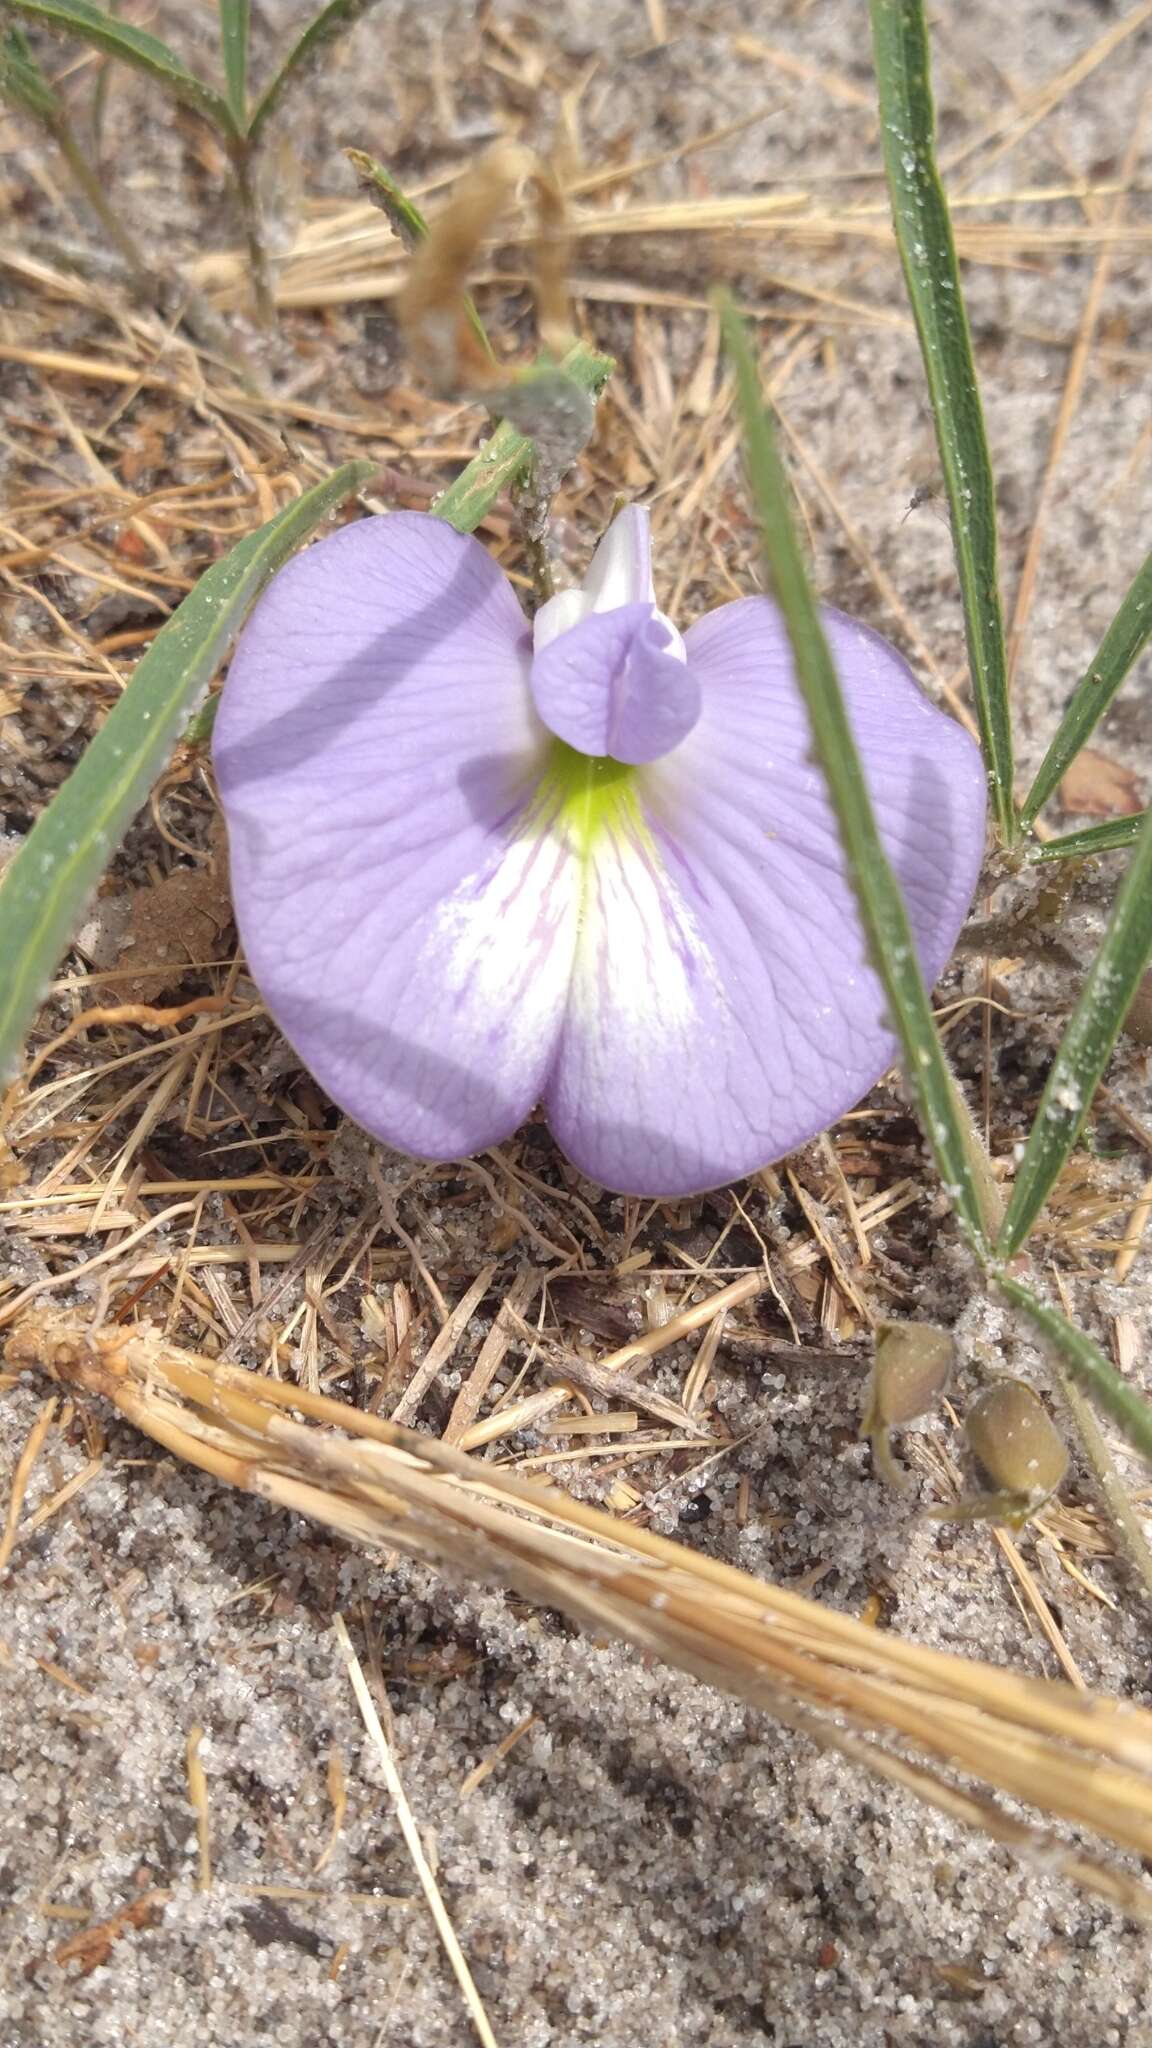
x=411, y=1833
x=22, y=1474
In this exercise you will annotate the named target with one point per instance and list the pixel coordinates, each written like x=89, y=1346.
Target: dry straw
x=954, y=1732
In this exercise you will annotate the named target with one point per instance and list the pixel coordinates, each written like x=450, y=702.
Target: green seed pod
x=910, y=1370
x=1015, y=1442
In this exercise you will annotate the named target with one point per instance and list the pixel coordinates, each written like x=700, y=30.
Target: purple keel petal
x=610, y=686
x=408, y=917
x=722, y=1008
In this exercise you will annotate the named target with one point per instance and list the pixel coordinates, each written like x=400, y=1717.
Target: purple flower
x=479, y=865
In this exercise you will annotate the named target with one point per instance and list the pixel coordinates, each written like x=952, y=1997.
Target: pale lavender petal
x=408, y=914
x=722, y=1008
x=620, y=573
x=612, y=685
x=621, y=568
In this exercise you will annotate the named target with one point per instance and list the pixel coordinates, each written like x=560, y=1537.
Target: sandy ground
x=650, y=1863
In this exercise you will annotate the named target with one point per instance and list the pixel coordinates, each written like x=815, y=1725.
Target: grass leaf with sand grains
x=133, y=46
x=235, y=26
x=1107, y=838
x=331, y=21
x=932, y=275
x=1127, y=636
x=47, y=885
x=1091, y=1033
x=882, y=909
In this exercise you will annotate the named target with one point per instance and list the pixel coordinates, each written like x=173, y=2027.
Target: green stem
x=508, y=452
x=242, y=157
x=88, y=180
x=1126, y=1524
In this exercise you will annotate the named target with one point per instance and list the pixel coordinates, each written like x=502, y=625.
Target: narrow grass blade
x=509, y=451
x=1094, y=839
x=235, y=22
x=23, y=84
x=1086, y=1364
x=1083, y=1054
x=132, y=46
x=1125, y=639
x=932, y=275
x=407, y=221
x=46, y=886
x=331, y=21
x=881, y=904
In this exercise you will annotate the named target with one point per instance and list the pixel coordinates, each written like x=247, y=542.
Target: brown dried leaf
x=182, y=919
x=1097, y=787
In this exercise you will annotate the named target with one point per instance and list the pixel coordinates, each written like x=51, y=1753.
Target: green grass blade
x=1125, y=639
x=331, y=21
x=408, y=223
x=508, y=451
x=235, y=23
x=23, y=84
x=932, y=275
x=1104, y=838
x=1086, y=1364
x=1083, y=1053
x=47, y=885
x=132, y=46
x=882, y=910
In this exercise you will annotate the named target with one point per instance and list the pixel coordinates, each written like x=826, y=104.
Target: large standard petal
x=722, y=1008
x=407, y=909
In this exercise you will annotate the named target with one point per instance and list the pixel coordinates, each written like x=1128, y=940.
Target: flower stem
x=242, y=158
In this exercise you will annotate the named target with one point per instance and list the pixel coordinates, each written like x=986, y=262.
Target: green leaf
x=132, y=46
x=1104, y=838
x=23, y=84
x=508, y=451
x=882, y=910
x=1086, y=1364
x=1126, y=637
x=331, y=21
x=932, y=276
x=1083, y=1053
x=47, y=885
x=234, y=26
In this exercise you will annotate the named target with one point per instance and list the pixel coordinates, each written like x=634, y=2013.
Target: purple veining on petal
x=731, y=1013
x=616, y=684
x=688, y=987
x=378, y=756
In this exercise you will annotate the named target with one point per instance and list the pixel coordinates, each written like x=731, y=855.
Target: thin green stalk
x=932, y=276
x=1106, y=838
x=242, y=159
x=1083, y=1052
x=508, y=452
x=235, y=25
x=882, y=910
x=1086, y=1364
x=91, y=185
x=1125, y=639
x=1126, y=1523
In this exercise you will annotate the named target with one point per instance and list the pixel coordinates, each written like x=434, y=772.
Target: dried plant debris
x=648, y=1859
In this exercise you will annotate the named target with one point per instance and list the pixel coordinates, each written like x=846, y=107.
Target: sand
x=650, y=1862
